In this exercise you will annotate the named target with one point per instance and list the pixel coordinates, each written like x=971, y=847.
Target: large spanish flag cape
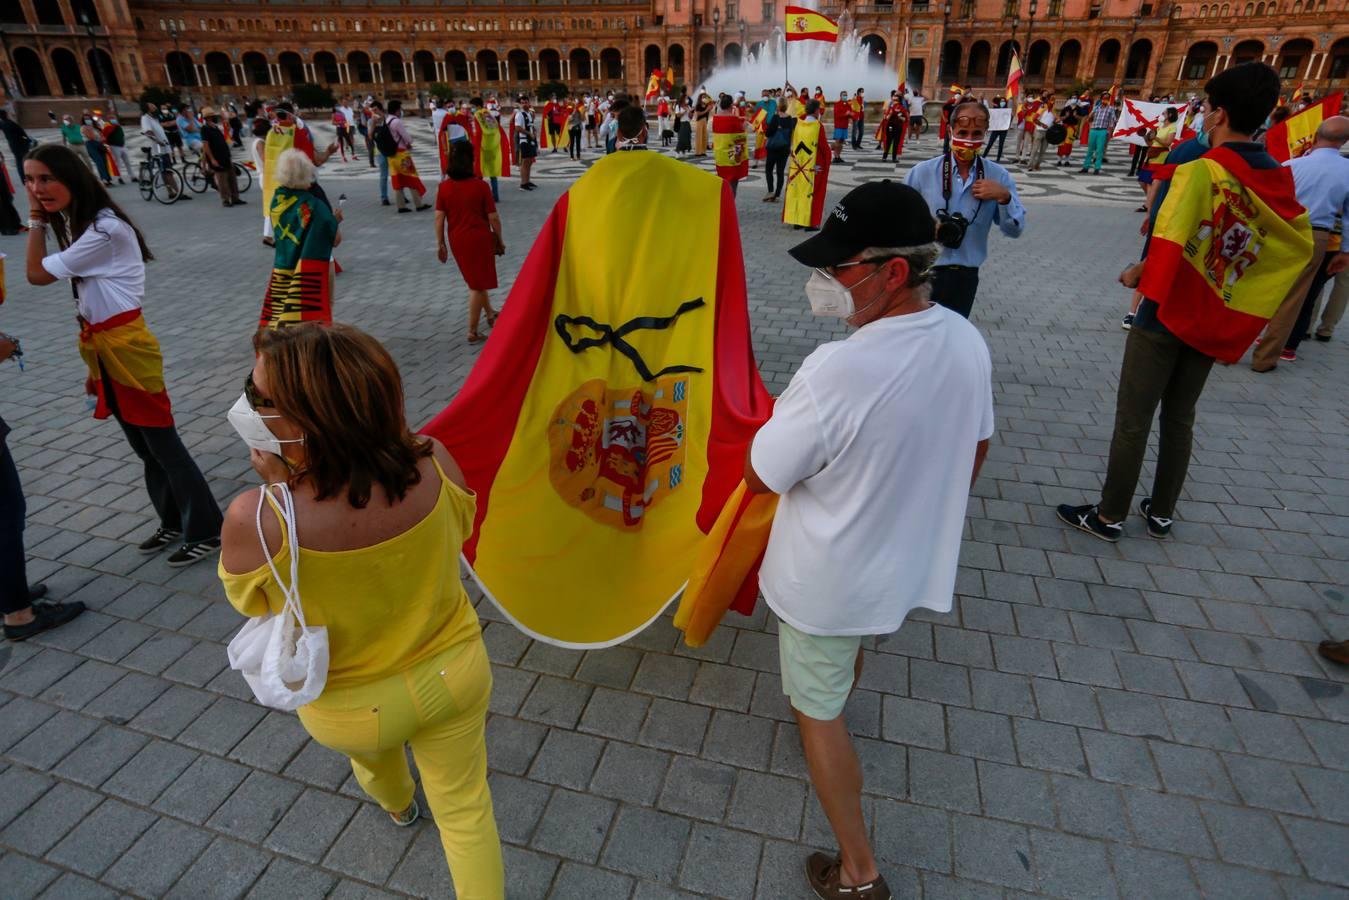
x=545, y=128
x=805, y=186
x=1294, y=135
x=607, y=420
x=490, y=159
x=1228, y=244
x=280, y=139
x=123, y=358
x=403, y=171
x=300, y=288
x=730, y=147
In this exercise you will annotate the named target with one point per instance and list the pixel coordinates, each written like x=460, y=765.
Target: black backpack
x=384, y=140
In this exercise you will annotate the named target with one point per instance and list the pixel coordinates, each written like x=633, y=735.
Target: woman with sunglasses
x=380, y=516
x=103, y=255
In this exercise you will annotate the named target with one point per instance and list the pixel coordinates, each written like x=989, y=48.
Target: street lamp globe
x=716, y=15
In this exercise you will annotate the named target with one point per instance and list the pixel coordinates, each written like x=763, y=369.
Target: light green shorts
x=817, y=671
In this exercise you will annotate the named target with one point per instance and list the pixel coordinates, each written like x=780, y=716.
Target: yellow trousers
x=439, y=707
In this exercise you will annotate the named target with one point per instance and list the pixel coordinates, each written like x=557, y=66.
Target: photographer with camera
x=967, y=193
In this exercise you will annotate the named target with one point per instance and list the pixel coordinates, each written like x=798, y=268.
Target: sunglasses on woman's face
x=256, y=400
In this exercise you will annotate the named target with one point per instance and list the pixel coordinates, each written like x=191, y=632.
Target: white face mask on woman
x=252, y=427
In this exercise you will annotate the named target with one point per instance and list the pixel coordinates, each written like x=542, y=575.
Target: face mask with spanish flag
x=605, y=425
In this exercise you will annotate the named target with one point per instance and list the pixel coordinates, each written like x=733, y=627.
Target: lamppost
x=1030, y=26
x=177, y=51
x=716, y=36
x=104, y=84
x=941, y=49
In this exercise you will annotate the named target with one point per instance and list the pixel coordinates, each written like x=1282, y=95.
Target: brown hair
x=342, y=389
x=88, y=196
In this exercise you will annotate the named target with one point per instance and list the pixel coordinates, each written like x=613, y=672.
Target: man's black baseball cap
x=875, y=214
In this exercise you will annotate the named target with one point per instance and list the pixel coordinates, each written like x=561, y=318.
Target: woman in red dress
x=466, y=215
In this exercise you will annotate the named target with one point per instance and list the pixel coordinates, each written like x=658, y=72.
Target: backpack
x=384, y=140
x=1056, y=134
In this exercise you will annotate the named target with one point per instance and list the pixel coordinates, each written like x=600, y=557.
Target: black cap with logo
x=875, y=214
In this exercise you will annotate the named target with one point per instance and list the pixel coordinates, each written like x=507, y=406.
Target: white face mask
x=252, y=427
x=830, y=299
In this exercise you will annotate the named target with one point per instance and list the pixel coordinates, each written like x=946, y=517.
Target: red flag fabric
x=1294, y=135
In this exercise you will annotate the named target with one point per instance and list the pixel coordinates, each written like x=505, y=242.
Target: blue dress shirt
x=926, y=178
x=1321, y=180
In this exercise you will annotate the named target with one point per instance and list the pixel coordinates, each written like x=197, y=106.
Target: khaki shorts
x=817, y=671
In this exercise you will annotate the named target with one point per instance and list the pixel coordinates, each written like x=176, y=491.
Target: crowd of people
x=321, y=410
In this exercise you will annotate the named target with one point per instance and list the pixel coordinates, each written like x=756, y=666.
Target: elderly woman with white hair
x=305, y=229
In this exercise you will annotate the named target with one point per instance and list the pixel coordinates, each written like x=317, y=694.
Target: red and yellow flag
x=806, y=187
x=804, y=24
x=123, y=358
x=1294, y=135
x=607, y=420
x=653, y=84
x=1228, y=244
x=1014, y=75
x=730, y=147
x=490, y=159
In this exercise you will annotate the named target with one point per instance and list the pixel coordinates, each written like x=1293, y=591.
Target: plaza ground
x=1091, y=720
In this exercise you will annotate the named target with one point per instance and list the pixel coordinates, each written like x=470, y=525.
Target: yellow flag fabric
x=594, y=427
x=489, y=146
x=279, y=140
x=805, y=24
x=801, y=173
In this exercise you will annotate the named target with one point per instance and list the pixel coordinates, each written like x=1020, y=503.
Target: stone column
x=203, y=76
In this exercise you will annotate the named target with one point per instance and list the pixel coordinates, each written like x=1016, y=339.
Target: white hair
x=294, y=170
x=920, y=257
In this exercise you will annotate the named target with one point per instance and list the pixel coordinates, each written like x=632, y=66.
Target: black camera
x=951, y=228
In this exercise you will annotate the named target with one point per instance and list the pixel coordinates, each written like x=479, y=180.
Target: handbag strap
x=283, y=502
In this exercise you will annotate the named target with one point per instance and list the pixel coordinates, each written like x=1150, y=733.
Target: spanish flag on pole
x=1228, y=244
x=804, y=24
x=606, y=422
x=1013, y=75
x=653, y=84
x=1294, y=135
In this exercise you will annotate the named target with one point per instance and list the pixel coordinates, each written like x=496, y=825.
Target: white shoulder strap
x=284, y=502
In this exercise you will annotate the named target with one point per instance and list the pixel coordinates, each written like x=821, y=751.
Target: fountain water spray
x=842, y=66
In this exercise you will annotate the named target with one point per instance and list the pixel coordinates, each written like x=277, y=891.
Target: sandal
x=408, y=816
x=492, y=318
x=474, y=337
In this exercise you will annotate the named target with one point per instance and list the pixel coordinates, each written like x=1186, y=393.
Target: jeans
x=954, y=287
x=439, y=706
x=857, y=135
x=13, y=575
x=496, y=194
x=776, y=170
x=1096, y=139
x=384, y=178
x=1158, y=369
x=574, y=148
x=995, y=137
x=178, y=491
x=99, y=158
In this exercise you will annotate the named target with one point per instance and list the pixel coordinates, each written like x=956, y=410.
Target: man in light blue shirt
x=1321, y=180
x=962, y=183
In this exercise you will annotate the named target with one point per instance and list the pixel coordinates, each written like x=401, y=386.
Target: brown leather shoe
x=1335, y=651
x=823, y=871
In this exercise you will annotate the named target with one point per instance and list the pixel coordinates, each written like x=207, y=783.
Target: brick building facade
x=57, y=49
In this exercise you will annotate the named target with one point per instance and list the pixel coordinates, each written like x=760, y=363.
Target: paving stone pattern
x=1091, y=720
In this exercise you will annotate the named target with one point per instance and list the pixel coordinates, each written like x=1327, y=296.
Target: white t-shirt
x=349, y=114
x=153, y=131
x=437, y=116
x=872, y=447
x=107, y=260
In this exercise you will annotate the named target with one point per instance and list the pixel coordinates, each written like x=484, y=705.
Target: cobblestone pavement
x=1135, y=720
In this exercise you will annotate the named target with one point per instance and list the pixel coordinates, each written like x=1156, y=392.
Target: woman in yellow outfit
x=381, y=515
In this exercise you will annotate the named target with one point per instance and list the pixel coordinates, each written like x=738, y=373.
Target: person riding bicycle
x=160, y=150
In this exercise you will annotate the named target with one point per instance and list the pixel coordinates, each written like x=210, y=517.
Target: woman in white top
x=103, y=256
x=257, y=148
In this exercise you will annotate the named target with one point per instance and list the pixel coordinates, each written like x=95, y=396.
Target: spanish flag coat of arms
x=606, y=422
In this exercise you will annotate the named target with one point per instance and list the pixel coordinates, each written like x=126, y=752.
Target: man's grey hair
x=294, y=170
x=921, y=258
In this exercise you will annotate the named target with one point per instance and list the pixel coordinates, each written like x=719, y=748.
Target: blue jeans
x=857, y=135
x=99, y=158
x=383, y=177
x=13, y=576
x=496, y=195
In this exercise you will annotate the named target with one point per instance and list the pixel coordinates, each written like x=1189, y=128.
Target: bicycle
x=199, y=180
x=917, y=125
x=154, y=181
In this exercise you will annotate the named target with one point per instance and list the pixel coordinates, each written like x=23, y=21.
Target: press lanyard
x=946, y=178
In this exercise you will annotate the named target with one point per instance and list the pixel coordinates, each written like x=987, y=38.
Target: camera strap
x=948, y=175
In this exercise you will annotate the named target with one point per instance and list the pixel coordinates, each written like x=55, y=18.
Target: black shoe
x=184, y=197
x=240, y=203
x=36, y=592
x=1157, y=526
x=404, y=209
x=187, y=554
x=46, y=616
x=1323, y=338
x=159, y=540
x=1127, y=322
x=385, y=202
x=1086, y=519
x=424, y=206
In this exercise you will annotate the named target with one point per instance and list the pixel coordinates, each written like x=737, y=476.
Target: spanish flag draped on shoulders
x=284, y=135
x=807, y=175
x=606, y=422
x=730, y=146
x=490, y=157
x=1230, y=240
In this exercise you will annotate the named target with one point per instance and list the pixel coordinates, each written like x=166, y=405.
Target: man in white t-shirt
x=873, y=448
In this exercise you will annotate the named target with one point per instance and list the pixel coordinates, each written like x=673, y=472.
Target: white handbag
x=283, y=660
